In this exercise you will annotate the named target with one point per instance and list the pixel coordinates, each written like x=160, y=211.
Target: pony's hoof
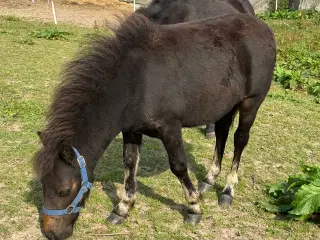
x=115, y=219
x=193, y=218
x=225, y=200
x=204, y=187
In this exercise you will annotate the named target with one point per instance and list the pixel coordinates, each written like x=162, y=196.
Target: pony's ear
x=41, y=136
x=67, y=154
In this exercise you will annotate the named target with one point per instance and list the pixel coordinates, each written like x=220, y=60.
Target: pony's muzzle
x=51, y=228
x=46, y=222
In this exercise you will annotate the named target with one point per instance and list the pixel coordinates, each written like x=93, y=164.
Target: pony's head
x=57, y=166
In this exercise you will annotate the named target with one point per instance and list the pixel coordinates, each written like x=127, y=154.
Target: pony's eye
x=64, y=192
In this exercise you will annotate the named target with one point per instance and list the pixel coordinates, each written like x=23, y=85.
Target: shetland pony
x=151, y=79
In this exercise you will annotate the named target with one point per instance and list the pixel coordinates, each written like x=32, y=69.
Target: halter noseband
x=85, y=186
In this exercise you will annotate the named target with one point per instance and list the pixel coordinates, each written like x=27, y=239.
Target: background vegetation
x=298, y=62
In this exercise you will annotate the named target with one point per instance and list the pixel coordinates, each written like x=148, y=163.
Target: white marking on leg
x=136, y=165
x=126, y=175
x=192, y=199
x=213, y=171
x=127, y=201
x=231, y=182
x=123, y=208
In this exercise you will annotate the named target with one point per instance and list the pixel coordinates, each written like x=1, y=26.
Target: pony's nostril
x=50, y=235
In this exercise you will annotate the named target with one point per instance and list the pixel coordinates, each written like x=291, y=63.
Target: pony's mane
x=83, y=80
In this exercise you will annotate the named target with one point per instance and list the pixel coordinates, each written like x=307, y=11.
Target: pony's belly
x=205, y=115
x=210, y=109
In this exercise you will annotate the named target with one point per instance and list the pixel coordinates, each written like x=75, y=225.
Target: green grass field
x=285, y=135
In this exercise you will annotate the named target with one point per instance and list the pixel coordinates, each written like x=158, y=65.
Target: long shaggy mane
x=83, y=80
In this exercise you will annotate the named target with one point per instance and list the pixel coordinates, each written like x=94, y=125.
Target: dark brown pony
x=146, y=80
x=179, y=11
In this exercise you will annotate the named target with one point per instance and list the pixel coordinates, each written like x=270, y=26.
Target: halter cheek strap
x=85, y=186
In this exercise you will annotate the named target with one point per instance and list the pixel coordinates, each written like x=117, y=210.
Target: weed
x=298, y=58
x=50, y=34
x=286, y=14
x=11, y=18
x=299, y=196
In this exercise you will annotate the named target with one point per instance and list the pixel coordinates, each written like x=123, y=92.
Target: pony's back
x=213, y=8
x=208, y=63
x=178, y=11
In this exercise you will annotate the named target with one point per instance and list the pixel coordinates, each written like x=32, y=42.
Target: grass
x=285, y=135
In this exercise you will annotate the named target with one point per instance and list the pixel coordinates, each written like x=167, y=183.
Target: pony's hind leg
x=171, y=137
x=222, y=131
x=248, y=110
x=131, y=156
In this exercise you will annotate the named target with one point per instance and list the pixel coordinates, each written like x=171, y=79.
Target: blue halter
x=85, y=186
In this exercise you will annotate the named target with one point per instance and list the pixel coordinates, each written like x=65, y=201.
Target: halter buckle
x=70, y=209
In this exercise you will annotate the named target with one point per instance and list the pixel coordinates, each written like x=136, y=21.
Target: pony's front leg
x=131, y=157
x=172, y=140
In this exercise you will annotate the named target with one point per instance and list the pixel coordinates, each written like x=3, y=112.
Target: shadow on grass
x=35, y=197
x=201, y=130
x=218, y=187
x=149, y=192
x=314, y=218
x=153, y=161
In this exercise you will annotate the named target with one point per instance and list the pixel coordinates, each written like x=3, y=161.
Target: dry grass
x=104, y=4
x=113, y=3
x=116, y=4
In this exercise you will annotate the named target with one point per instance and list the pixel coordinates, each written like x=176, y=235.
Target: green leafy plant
x=298, y=197
x=299, y=69
x=289, y=79
x=314, y=89
x=51, y=34
x=290, y=14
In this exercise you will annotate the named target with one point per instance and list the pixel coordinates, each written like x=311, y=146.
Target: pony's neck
x=93, y=146
x=93, y=139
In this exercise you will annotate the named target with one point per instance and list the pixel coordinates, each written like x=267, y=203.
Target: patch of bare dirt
x=30, y=233
x=80, y=12
x=15, y=127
